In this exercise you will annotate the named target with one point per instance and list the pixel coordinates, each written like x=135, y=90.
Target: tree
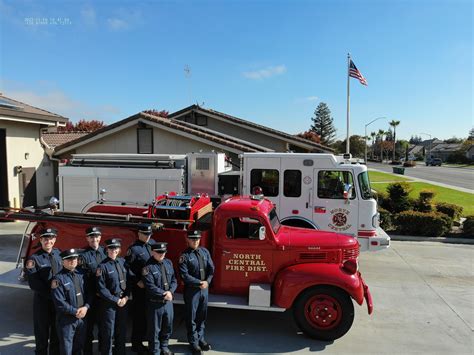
x=159, y=113
x=471, y=134
x=394, y=124
x=415, y=140
x=373, y=135
x=357, y=146
x=454, y=140
x=82, y=126
x=309, y=135
x=323, y=124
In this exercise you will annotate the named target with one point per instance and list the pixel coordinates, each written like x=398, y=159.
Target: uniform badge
x=54, y=284
x=30, y=264
x=182, y=259
x=98, y=272
x=145, y=271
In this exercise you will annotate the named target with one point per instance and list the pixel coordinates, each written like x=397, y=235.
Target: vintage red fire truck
x=260, y=263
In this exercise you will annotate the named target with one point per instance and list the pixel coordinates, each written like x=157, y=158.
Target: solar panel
x=8, y=104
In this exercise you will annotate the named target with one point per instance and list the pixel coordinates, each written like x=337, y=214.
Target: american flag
x=355, y=73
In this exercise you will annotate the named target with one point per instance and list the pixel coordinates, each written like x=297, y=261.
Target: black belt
x=156, y=300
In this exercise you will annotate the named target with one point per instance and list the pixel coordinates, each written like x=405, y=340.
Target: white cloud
x=88, y=16
x=56, y=101
x=265, y=73
x=116, y=24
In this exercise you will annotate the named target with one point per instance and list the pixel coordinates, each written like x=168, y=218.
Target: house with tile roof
x=189, y=130
x=26, y=172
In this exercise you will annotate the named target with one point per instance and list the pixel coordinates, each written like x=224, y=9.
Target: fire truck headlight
x=351, y=266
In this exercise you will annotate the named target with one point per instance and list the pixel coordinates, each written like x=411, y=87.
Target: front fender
x=290, y=282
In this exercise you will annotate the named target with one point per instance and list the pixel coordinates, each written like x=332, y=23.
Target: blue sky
x=270, y=62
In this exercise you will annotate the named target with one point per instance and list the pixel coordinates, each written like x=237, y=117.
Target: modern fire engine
x=260, y=263
x=310, y=190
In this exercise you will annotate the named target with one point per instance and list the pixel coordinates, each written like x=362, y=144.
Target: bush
x=424, y=204
x=431, y=224
x=383, y=200
x=468, y=226
x=399, y=200
x=450, y=209
x=385, y=219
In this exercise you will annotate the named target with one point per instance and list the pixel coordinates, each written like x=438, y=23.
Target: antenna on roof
x=187, y=75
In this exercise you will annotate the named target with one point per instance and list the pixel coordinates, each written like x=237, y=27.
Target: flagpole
x=348, y=102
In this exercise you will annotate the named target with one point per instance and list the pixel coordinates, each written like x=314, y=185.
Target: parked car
x=433, y=162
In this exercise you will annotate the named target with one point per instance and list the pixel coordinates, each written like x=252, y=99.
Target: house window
x=145, y=140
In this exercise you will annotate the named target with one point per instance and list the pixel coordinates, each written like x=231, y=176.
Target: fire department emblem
x=30, y=264
x=54, y=284
x=339, y=219
x=98, y=272
x=307, y=180
x=145, y=271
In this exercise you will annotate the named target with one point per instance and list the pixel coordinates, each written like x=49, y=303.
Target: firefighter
x=41, y=267
x=137, y=256
x=89, y=260
x=71, y=300
x=160, y=284
x=113, y=290
x=196, y=269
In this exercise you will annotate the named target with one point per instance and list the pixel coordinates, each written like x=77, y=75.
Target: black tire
x=324, y=312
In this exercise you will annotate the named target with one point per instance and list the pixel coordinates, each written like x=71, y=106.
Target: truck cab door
x=332, y=210
x=242, y=256
x=263, y=173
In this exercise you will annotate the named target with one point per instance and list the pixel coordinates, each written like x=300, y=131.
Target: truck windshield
x=274, y=221
x=364, y=183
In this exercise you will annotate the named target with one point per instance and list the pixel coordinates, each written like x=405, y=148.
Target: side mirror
x=53, y=202
x=261, y=233
x=102, y=192
x=347, y=191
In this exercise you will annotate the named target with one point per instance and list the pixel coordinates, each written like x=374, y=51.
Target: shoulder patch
x=54, y=284
x=129, y=252
x=145, y=271
x=98, y=272
x=30, y=264
x=182, y=259
x=80, y=261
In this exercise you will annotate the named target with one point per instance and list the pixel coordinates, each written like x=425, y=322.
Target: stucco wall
x=279, y=145
x=22, y=138
x=164, y=142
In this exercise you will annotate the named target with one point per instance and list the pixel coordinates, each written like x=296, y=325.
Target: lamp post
x=365, y=137
x=429, y=153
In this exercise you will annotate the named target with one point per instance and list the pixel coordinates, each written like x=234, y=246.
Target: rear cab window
x=331, y=184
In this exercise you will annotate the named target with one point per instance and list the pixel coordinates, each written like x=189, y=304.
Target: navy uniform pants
x=195, y=301
x=113, y=328
x=44, y=320
x=71, y=333
x=160, y=325
x=138, y=307
x=92, y=319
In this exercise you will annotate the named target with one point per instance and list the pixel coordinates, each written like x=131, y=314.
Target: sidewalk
x=410, y=238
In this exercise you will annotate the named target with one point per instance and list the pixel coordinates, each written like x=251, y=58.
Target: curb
x=410, y=238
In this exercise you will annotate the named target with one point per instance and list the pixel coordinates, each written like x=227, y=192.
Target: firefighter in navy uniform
x=137, y=256
x=196, y=270
x=89, y=260
x=160, y=284
x=40, y=268
x=71, y=300
x=113, y=291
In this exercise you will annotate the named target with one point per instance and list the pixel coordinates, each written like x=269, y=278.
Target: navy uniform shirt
x=153, y=279
x=64, y=293
x=138, y=255
x=39, y=271
x=189, y=266
x=89, y=261
x=109, y=286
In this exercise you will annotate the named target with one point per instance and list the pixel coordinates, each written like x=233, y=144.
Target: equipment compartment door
x=331, y=211
x=241, y=258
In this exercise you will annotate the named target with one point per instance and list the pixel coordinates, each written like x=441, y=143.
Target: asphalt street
x=458, y=177
x=423, y=296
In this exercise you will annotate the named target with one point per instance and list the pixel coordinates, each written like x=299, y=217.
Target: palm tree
x=394, y=124
x=373, y=134
x=380, y=134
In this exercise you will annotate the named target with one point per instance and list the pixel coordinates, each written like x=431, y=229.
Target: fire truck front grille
x=313, y=256
x=351, y=253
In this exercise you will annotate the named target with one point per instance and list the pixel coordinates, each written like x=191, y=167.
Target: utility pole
x=187, y=75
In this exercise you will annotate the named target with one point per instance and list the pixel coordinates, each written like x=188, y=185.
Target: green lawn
x=376, y=176
x=443, y=194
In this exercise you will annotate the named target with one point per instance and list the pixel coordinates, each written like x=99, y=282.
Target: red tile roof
x=55, y=139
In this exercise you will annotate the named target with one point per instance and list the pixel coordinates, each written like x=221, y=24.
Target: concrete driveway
x=423, y=295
